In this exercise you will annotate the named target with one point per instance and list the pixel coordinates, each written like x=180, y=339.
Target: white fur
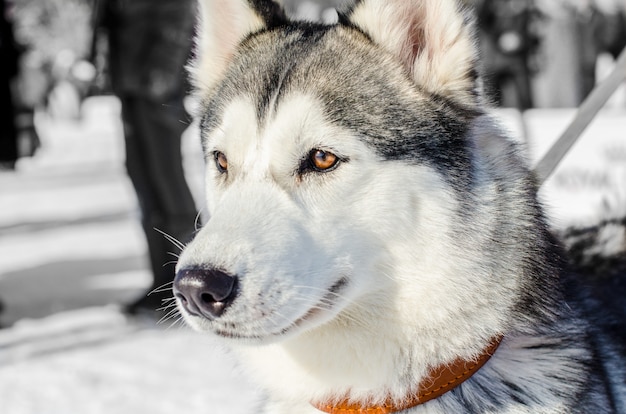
x=223, y=24
x=407, y=308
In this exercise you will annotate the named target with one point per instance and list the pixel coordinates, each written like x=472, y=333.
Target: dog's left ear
x=431, y=38
x=222, y=25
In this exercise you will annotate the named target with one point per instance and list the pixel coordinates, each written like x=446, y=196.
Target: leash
x=587, y=111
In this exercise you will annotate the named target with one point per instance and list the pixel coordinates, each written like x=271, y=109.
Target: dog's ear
x=432, y=38
x=222, y=25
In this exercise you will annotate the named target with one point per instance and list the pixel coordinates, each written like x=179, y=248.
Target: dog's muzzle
x=205, y=292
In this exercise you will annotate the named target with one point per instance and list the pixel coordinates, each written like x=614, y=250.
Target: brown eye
x=322, y=160
x=220, y=161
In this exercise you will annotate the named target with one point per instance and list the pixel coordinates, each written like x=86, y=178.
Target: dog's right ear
x=222, y=25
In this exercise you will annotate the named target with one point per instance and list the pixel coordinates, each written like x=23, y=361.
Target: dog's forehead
x=333, y=63
x=354, y=85
x=283, y=80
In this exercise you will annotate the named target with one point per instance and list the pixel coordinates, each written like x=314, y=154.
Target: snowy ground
x=72, y=249
x=590, y=180
x=95, y=361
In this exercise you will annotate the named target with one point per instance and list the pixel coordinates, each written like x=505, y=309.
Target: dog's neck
x=440, y=380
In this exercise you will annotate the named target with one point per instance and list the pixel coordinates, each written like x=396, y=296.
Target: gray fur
x=552, y=317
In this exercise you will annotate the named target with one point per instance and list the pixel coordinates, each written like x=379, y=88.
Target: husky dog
x=375, y=243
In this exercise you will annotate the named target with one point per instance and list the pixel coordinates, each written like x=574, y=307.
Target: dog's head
x=339, y=173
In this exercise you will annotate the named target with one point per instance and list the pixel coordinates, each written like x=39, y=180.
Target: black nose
x=205, y=292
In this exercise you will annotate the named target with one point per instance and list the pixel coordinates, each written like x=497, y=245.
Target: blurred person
x=576, y=32
x=19, y=136
x=8, y=69
x=148, y=45
x=610, y=26
x=596, y=30
x=507, y=42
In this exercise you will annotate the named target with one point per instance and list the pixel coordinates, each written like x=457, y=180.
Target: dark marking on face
x=361, y=89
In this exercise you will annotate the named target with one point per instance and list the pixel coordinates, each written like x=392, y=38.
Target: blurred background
x=75, y=246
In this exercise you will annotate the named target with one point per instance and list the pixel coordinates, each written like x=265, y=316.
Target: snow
x=95, y=361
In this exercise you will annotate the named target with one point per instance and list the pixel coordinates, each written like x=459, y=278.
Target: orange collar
x=440, y=380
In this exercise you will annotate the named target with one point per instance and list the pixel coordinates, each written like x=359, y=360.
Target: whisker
x=196, y=223
x=169, y=308
x=169, y=315
x=166, y=306
x=177, y=243
x=163, y=288
x=180, y=320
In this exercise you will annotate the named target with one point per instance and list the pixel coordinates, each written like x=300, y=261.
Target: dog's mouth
x=328, y=306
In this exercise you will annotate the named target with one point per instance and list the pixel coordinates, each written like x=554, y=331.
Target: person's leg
x=8, y=134
x=153, y=140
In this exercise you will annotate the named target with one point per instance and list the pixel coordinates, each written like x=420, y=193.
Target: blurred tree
x=54, y=36
x=50, y=26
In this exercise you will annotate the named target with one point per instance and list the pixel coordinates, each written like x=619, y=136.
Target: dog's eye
x=322, y=160
x=220, y=161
